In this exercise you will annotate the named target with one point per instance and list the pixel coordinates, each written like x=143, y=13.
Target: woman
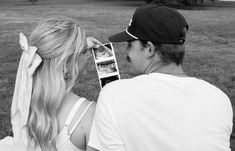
x=45, y=114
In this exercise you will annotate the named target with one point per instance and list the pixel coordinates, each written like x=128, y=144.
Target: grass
x=210, y=47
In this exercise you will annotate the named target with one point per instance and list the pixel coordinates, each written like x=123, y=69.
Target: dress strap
x=79, y=120
x=73, y=111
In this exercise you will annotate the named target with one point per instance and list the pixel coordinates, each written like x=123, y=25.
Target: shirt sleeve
x=104, y=134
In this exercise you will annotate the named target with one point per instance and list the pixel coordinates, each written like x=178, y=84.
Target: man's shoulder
x=124, y=83
x=209, y=87
x=121, y=88
x=116, y=85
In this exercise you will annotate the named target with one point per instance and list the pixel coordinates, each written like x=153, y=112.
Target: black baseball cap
x=158, y=24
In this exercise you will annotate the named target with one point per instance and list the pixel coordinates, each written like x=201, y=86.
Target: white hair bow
x=29, y=62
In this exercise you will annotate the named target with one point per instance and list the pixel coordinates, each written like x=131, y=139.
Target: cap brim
x=121, y=37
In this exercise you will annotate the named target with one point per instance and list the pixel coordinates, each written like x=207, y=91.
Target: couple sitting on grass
x=159, y=109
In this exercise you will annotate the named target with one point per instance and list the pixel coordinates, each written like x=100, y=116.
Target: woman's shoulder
x=84, y=110
x=81, y=112
x=78, y=105
x=82, y=123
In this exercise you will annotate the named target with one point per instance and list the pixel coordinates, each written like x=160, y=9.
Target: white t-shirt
x=160, y=112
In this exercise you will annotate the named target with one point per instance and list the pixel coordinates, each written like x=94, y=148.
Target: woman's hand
x=92, y=43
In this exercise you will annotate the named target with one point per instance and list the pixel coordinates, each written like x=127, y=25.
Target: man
x=160, y=109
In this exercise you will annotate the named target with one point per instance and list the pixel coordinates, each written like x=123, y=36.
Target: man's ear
x=149, y=50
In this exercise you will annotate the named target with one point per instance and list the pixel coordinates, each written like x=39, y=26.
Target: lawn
x=210, y=46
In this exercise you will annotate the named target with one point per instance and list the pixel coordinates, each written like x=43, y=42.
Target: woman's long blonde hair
x=59, y=42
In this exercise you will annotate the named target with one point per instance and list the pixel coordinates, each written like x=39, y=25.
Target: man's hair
x=170, y=53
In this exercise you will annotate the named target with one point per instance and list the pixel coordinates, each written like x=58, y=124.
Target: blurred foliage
x=185, y=2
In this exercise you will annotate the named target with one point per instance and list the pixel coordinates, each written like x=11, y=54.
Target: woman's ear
x=149, y=50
